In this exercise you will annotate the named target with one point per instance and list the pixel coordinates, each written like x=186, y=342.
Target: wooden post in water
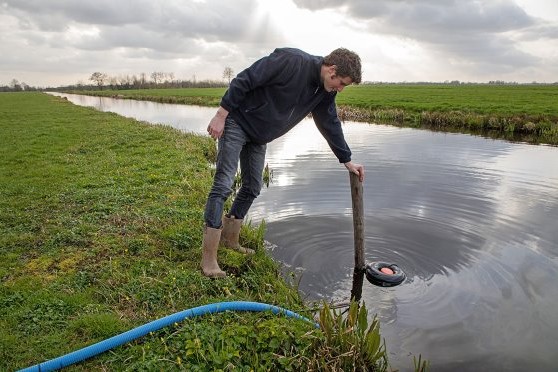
x=358, y=225
x=358, y=220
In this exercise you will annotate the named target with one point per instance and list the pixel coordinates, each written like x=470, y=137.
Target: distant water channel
x=472, y=221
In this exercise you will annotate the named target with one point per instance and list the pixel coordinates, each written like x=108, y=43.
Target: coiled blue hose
x=102, y=346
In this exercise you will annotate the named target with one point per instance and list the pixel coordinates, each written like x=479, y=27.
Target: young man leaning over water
x=262, y=103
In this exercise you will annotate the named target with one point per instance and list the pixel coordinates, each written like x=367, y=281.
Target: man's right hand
x=356, y=169
x=217, y=124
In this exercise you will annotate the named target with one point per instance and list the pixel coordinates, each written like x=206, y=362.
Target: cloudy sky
x=59, y=42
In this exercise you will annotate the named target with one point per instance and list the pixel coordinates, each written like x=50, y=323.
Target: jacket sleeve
x=278, y=67
x=329, y=125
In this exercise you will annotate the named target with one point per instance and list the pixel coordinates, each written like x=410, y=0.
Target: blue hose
x=102, y=346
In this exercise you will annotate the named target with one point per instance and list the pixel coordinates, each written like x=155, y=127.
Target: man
x=262, y=103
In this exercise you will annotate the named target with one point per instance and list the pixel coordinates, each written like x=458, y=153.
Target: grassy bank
x=516, y=112
x=526, y=113
x=100, y=232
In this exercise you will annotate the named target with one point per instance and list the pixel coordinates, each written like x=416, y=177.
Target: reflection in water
x=453, y=211
x=358, y=282
x=187, y=118
x=471, y=221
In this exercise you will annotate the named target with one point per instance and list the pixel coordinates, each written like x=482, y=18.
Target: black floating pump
x=384, y=274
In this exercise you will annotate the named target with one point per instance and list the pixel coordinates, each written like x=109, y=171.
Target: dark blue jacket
x=274, y=94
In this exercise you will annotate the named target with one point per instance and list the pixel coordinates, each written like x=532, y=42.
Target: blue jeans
x=234, y=145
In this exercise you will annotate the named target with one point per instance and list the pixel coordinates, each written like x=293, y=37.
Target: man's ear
x=332, y=69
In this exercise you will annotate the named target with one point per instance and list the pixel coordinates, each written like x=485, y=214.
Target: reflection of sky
x=472, y=221
x=452, y=180
x=302, y=140
x=187, y=118
x=527, y=196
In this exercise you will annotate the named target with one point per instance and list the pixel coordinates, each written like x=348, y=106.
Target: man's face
x=333, y=82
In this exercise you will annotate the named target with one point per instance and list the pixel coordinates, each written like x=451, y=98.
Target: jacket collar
x=315, y=78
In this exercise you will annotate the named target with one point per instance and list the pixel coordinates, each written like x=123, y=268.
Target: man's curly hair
x=347, y=62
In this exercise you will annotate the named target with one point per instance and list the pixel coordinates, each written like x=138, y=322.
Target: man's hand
x=217, y=124
x=356, y=169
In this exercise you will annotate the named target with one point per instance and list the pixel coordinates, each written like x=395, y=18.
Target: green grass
x=525, y=113
x=100, y=232
x=480, y=99
x=189, y=96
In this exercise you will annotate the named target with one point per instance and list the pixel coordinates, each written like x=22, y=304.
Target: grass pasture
x=473, y=98
x=526, y=113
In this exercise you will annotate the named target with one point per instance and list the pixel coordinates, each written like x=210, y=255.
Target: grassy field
x=480, y=99
x=189, y=96
x=526, y=113
x=100, y=232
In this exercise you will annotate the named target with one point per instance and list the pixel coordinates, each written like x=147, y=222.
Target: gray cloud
x=55, y=15
x=472, y=32
x=211, y=20
x=466, y=40
x=149, y=34
x=541, y=31
x=320, y=4
x=441, y=15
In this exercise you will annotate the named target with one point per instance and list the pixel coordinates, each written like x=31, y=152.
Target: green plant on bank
x=100, y=232
x=267, y=178
x=348, y=342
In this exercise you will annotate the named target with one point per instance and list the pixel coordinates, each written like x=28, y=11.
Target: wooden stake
x=358, y=226
x=358, y=220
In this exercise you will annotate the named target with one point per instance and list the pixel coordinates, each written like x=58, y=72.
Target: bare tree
x=99, y=78
x=228, y=74
x=158, y=77
x=125, y=81
x=155, y=77
x=113, y=82
x=15, y=85
x=143, y=79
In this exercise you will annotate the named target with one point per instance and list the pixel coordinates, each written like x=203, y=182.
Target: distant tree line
x=157, y=79
x=455, y=82
x=16, y=86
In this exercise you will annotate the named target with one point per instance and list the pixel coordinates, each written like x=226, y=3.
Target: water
x=187, y=118
x=472, y=221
